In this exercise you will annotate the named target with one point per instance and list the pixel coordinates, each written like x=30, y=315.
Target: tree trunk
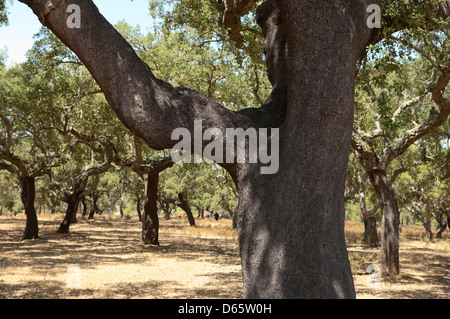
x=72, y=201
x=442, y=225
x=373, y=234
x=429, y=232
x=166, y=210
x=184, y=205
x=83, y=203
x=200, y=212
x=293, y=245
x=112, y=204
x=390, y=223
x=150, y=219
x=138, y=207
x=94, y=207
x=370, y=231
x=370, y=222
x=28, y=195
x=121, y=208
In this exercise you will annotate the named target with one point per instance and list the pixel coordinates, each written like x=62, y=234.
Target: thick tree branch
x=10, y=168
x=152, y=109
x=364, y=149
x=142, y=167
x=231, y=12
x=407, y=104
x=7, y=142
x=437, y=116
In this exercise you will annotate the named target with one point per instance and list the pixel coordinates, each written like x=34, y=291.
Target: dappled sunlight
x=191, y=262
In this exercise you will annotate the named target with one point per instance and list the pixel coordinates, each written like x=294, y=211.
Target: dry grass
x=200, y=262
x=424, y=265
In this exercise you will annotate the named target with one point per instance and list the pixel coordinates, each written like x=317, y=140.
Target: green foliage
x=3, y=12
x=393, y=100
x=237, y=72
x=178, y=57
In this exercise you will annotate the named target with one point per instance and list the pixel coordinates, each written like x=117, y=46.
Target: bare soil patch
x=102, y=259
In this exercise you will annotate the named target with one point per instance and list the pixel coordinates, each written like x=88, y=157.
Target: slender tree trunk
x=370, y=222
x=121, y=208
x=390, y=264
x=112, y=204
x=184, y=205
x=83, y=203
x=429, y=232
x=166, y=210
x=150, y=219
x=94, y=207
x=373, y=234
x=74, y=214
x=72, y=201
x=370, y=231
x=427, y=223
x=138, y=207
x=28, y=195
x=442, y=225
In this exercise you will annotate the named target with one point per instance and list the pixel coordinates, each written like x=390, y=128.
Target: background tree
x=408, y=99
x=424, y=189
x=27, y=148
x=3, y=13
x=357, y=181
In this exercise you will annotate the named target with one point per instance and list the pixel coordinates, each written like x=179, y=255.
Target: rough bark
x=83, y=203
x=166, y=209
x=149, y=172
x=94, y=209
x=150, y=219
x=370, y=231
x=28, y=195
x=184, y=205
x=390, y=223
x=138, y=207
x=293, y=245
x=72, y=201
x=440, y=229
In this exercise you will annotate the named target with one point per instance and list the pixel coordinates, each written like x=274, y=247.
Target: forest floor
x=102, y=259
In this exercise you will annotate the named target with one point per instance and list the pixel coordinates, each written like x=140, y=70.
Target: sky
x=17, y=36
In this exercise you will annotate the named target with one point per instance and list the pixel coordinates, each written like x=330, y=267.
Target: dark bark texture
x=150, y=219
x=370, y=231
x=28, y=195
x=390, y=223
x=184, y=205
x=72, y=200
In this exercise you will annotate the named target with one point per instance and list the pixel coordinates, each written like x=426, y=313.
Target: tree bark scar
x=50, y=7
x=326, y=114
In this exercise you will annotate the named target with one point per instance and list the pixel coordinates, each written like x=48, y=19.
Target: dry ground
x=197, y=263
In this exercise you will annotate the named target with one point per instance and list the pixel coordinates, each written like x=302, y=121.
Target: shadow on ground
x=112, y=264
